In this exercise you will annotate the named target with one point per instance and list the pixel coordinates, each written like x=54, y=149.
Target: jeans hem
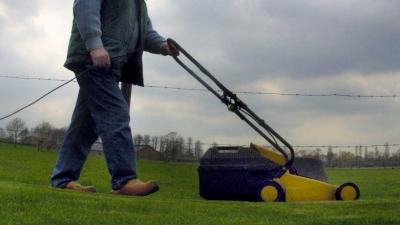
x=122, y=184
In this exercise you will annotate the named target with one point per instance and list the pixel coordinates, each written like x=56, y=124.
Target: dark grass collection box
x=233, y=173
x=238, y=173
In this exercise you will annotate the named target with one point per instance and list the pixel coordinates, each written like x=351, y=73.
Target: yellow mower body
x=291, y=187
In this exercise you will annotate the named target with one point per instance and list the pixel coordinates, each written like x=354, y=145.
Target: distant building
x=147, y=152
x=142, y=151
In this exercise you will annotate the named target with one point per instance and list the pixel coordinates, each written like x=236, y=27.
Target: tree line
x=361, y=156
x=172, y=146
x=42, y=136
x=45, y=136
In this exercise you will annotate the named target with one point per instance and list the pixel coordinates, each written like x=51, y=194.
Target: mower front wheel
x=347, y=192
x=271, y=191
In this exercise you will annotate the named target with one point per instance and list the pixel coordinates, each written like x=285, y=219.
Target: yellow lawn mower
x=259, y=173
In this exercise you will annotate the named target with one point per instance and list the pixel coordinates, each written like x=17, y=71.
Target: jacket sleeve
x=153, y=40
x=87, y=14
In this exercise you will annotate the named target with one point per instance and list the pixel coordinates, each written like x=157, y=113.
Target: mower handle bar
x=237, y=106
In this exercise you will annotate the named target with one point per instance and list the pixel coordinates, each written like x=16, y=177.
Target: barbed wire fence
x=294, y=94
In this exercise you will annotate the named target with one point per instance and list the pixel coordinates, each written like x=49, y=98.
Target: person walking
x=106, y=45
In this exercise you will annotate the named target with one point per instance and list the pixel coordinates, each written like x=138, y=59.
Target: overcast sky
x=297, y=46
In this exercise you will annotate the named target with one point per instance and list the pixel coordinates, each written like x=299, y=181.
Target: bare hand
x=100, y=58
x=169, y=49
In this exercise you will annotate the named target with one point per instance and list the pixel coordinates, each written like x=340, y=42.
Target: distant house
x=147, y=152
x=142, y=151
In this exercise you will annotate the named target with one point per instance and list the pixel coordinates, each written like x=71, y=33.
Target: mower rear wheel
x=347, y=192
x=271, y=191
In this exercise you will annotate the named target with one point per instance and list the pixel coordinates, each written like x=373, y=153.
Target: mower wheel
x=347, y=192
x=271, y=191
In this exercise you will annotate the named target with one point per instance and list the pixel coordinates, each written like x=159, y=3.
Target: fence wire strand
x=340, y=95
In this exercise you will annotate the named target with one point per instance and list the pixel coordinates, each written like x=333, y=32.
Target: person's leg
x=77, y=142
x=110, y=113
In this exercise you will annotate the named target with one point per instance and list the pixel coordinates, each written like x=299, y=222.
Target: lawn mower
x=257, y=173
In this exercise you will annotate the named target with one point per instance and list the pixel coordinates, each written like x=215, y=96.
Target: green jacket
x=121, y=27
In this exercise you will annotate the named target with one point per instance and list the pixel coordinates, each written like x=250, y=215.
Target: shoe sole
x=83, y=190
x=155, y=189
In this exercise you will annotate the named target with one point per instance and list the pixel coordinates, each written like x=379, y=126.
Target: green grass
x=26, y=198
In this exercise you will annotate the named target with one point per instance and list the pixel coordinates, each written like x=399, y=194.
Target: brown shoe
x=137, y=187
x=75, y=186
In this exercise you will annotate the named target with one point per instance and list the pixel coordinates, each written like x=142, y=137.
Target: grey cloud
x=296, y=38
x=17, y=19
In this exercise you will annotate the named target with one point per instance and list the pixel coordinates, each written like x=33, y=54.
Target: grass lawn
x=26, y=198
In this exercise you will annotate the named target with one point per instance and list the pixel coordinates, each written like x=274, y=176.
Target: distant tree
x=169, y=143
x=346, y=158
x=377, y=155
x=163, y=146
x=43, y=129
x=366, y=153
x=357, y=151
x=397, y=154
x=154, y=142
x=317, y=153
x=138, y=139
x=15, y=129
x=172, y=146
x=42, y=135
x=330, y=156
x=386, y=153
x=302, y=153
x=146, y=140
x=24, y=135
x=179, y=148
x=358, y=155
x=2, y=134
x=57, y=136
x=198, y=150
x=189, y=147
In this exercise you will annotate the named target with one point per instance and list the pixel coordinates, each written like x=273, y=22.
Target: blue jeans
x=100, y=110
